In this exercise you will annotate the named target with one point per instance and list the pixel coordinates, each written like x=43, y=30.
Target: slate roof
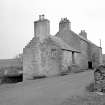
x=81, y=37
x=62, y=44
x=32, y=42
x=57, y=40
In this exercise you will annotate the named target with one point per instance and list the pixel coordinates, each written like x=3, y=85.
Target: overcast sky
x=17, y=17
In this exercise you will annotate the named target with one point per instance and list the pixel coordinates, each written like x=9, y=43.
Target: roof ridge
x=88, y=41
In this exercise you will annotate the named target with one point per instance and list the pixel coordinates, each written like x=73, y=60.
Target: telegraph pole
x=101, y=59
x=100, y=42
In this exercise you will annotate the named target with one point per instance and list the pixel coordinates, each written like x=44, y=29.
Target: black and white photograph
x=52, y=52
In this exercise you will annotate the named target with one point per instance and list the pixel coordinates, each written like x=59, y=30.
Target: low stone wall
x=99, y=76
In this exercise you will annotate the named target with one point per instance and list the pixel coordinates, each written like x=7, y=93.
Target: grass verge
x=90, y=98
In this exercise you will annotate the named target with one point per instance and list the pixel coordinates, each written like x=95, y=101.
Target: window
x=53, y=52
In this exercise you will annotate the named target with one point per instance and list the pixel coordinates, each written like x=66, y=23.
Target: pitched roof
x=80, y=37
x=83, y=38
x=32, y=42
x=62, y=44
x=57, y=40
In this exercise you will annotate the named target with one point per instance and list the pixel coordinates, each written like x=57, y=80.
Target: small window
x=53, y=49
x=53, y=52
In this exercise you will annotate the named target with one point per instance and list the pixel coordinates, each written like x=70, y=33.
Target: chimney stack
x=64, y=24
x=42, y=28
x=41, y=17
x=83, y=34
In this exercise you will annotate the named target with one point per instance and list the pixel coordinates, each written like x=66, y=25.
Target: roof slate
x=62, y=44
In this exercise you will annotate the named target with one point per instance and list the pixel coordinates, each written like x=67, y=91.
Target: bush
x=11, y=74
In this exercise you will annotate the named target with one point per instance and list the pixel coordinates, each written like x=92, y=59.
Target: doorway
x=90, y=65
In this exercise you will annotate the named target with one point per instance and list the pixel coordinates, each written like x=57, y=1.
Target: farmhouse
x=47, y=55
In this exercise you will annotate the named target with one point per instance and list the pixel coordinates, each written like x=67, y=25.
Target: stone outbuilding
x=90, y=55
x=51, y=55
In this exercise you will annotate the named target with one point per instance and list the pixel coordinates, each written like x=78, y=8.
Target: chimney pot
x=83, y=34
x=41, y=17
x=64, y=24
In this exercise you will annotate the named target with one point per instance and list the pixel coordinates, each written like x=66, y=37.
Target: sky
x=17, y=17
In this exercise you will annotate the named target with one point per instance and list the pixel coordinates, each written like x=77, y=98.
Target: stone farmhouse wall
x=95, y=55
x=31, y=59
x=42, y=59
x=89, y=52
x=66, y=60
x=46, y=55
x=81, y=59
x=103, y=56
x=83, y=56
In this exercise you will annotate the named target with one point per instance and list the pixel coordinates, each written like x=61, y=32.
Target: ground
x=47, y=91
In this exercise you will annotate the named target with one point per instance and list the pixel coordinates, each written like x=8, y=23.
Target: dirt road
x=49, y=91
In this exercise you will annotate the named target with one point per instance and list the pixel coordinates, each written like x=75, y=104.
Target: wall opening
x=12, y=79
x=90, y=65
x=73, y=58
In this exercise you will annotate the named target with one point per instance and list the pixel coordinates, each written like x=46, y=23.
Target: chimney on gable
x=42, y=28
x=83, y=34
x=64, y=24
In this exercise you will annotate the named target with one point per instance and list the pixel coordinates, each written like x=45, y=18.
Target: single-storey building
x=65, y=52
